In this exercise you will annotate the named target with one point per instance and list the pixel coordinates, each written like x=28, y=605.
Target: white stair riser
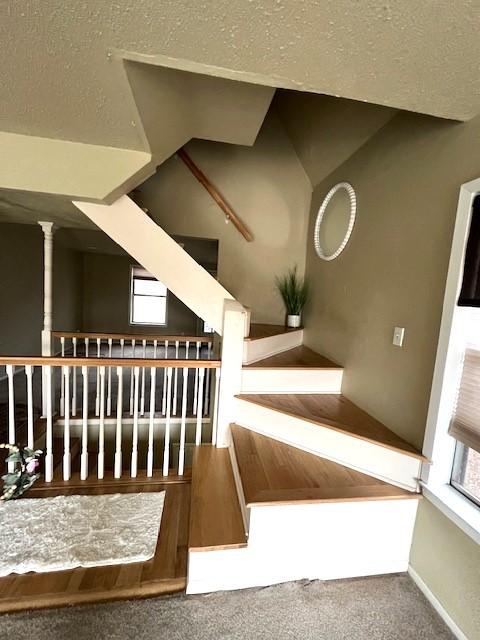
x=291, y=380
x=380, y=462
x=254, y=350
x=239, y=487
x=312, y=541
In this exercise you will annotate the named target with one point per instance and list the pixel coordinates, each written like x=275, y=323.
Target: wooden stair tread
x=297, y=358
x=215, y=517
x=274, y=473
x=336, y=412
x=259, y=331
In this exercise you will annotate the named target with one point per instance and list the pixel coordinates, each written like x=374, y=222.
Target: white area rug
x=50, y=534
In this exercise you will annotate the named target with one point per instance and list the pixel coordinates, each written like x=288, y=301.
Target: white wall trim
x=437, y=605
x=458, y=508
x=439, y=447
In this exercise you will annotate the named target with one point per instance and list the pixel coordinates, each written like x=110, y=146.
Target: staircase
x=311, y=485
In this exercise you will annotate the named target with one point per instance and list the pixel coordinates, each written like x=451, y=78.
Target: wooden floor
x=164, y=573
x=258, y=331
x=336, y=412
x=296, y=358
x=276, y=473
x=215, y=518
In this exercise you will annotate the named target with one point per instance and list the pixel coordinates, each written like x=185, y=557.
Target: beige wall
x=393, y=271
x=21, y=288
x=267, y=188
x=325, y=131
x=448, y=561
x=106, y=293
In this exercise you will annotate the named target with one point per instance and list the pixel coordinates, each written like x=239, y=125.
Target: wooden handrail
x=131, y=336
x=21, y=361
x=213, y=191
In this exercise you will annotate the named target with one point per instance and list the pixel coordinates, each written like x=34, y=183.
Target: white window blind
x=465, y=423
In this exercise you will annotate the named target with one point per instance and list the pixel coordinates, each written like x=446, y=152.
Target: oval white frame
x=321, y=213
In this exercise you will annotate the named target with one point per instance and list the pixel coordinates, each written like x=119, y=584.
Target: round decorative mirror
x=335, y=220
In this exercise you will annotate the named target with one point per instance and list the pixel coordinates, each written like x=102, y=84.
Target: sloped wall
x=267, y=188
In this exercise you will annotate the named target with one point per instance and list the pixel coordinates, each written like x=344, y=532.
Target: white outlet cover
x=398, y=336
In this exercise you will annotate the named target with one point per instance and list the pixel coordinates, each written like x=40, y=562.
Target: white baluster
x=175, y=381
x=142, y=401
x=122, y=347
x=187, y=349
x=118, y=434
x=101, y=430
x=198, y=432
x=164, y=397
x=208, y=376
x=195, y=391
x=153, y=375
x=155, y=343
x=215, y=407
x=84, y=454
x=132, y=379
x=87, y=347
x=134, y=465
x=30, y=435
x=109, y=381
x=49, y=425
x=62, y=380
x=166, y=448
x=74, y=380
x=66, y=427
x=11, y=413
x=97, y=395
x=181, y=451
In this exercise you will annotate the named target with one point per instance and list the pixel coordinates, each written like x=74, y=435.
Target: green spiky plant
x=294, y=292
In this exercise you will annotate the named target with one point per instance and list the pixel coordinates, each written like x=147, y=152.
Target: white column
x=231, y=369
x=48, y=231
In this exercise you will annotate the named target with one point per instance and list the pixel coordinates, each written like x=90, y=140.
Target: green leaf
x=13, y=457
x=11, y=478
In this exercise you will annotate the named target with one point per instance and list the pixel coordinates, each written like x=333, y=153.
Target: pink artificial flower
x=32, y=466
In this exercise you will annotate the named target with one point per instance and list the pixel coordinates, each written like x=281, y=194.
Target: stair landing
x=215, y=517
x=276, y=473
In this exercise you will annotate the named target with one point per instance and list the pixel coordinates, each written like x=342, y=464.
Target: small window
x=208, y=328
x=148, y=298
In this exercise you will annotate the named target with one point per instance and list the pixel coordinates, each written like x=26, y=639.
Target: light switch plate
x=398, y=335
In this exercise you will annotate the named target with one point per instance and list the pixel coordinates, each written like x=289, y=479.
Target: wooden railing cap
x=158, y=363
x=131, y=336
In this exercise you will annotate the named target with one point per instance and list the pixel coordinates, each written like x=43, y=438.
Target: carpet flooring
x=376, y=608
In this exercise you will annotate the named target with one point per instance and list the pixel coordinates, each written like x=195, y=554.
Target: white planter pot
x=293, y=321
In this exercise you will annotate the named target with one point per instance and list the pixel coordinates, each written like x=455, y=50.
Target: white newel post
x=231, y=370
x=47, y=347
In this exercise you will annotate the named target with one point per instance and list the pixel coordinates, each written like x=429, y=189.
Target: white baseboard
x=437, y=605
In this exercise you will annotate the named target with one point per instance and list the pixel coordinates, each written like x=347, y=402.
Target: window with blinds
x=465, y=426
x=148, y=298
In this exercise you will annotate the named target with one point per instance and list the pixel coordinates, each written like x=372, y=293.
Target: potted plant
x=294, y=292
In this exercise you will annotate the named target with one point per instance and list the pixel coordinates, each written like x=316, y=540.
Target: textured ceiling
x=29, y=208
x=62, y=76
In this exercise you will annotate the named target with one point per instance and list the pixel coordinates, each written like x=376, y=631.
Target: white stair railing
x=94, y=443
